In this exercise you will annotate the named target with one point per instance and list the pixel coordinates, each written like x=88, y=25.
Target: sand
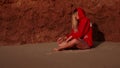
x=106, y=55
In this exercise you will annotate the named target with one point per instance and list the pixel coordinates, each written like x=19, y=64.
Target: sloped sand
x=106, y=55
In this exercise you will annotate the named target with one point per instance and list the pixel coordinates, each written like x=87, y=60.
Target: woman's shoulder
x=85, y=19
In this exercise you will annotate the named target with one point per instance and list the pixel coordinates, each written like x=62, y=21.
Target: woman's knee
x=82, y=46
x=75, y=40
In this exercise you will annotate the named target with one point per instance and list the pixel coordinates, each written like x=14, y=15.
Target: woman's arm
x=69, y=38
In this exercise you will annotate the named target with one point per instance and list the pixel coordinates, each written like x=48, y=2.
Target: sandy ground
x=106, y=55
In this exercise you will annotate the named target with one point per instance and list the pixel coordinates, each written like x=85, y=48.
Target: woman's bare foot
x=57, y=49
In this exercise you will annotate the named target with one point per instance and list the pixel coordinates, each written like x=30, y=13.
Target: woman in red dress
x=81, y=34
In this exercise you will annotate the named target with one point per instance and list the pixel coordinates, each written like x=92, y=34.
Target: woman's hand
x=61, y=39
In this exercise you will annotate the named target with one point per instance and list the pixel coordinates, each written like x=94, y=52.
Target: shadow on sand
x=98, y=36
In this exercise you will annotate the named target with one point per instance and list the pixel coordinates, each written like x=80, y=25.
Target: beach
x=41, y=55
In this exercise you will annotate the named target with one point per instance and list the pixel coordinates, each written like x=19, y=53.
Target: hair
x=74, y=22
x=74, y=11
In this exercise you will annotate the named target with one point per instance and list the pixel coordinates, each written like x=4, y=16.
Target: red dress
x=84, y=29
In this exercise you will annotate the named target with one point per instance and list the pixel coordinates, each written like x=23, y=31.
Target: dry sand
x=106, y=55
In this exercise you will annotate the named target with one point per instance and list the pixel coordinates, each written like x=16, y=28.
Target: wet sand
x=106, y=55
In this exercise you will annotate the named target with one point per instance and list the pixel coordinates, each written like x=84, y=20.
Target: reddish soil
x=35, y=21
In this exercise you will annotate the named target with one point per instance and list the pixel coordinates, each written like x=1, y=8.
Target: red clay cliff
x=36, y=21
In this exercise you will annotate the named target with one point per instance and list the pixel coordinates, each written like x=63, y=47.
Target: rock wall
x=35, y=21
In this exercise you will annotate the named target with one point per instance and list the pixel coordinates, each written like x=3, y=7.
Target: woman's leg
x=81, y=44
x=62, y=44
x=69, y=44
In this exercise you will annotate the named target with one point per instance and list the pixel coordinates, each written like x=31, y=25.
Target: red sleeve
x=83, y=27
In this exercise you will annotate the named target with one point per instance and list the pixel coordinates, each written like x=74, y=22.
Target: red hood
x=81, y=13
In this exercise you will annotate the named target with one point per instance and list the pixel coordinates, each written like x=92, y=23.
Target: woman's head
x=75, y=19
x=75, y=14
x=78, y=13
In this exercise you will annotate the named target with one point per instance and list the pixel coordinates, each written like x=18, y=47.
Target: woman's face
x=76, y=15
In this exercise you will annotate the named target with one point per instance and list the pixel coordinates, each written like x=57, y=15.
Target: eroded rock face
x=35, y=21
